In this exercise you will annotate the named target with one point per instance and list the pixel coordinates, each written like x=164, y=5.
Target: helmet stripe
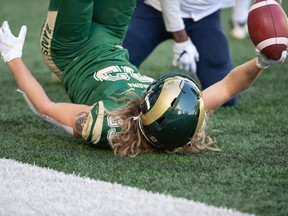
x=163, y=102
x=201, y=116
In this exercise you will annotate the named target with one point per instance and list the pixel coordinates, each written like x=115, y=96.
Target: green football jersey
x=90, y=79
x=81, y=41
x=101, y=89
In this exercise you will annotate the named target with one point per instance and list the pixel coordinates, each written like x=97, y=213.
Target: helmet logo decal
x=169, y=93
x=201, y=115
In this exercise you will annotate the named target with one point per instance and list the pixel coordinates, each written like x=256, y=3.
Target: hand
x=185, y=56
x=264, y=62
x=11, y=46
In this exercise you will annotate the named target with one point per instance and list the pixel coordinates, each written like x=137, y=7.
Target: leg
x=66, y=28
x=146, y=30
x=115, y=15
x=215, y=60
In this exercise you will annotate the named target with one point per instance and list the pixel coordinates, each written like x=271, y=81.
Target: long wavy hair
x=131, y=142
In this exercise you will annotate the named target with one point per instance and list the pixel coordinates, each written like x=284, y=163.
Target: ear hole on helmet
x=173, y=102
x=160, y=120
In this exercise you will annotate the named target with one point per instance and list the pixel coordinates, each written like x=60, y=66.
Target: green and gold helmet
x=172, y=111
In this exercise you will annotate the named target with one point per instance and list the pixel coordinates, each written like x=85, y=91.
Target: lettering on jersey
x=46, y=40
x=110, y=134
x=116, y=73
x=47, y=32
x=138, y=85
x=112, y=73
x=113, y=123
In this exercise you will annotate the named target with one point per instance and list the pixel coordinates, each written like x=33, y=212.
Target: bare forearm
x=242, y=77
x=239, y=79
x=27, y=83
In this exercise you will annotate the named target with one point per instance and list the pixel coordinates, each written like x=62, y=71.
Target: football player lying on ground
x=112, y=104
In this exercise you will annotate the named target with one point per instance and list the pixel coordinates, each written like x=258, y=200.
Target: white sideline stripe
x=272, y=41
x=30, y=190
x=263, y=3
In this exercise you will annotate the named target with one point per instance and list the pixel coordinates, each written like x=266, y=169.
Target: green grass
x=250, y=174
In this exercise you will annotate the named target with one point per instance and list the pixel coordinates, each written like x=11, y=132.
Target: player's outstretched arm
x=67, y=115
x=239, y=79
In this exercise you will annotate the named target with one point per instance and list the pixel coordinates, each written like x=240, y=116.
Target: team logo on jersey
x=116, y=73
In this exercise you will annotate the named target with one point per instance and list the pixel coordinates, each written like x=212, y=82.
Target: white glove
x=185, y=56
x=11, y=46
x=264, y=62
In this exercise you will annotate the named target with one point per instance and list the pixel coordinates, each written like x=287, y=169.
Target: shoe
x=239, y=31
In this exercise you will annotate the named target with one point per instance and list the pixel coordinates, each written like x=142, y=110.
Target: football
x=268, y=27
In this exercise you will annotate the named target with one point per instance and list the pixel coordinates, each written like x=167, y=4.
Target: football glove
x=264, y=62
x=185, y=56
x=11, y=46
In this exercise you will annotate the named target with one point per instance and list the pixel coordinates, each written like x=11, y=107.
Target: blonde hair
x=131, y=142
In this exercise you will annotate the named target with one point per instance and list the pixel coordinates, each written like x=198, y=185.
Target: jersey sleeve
x=94, y=125
x=172, y=15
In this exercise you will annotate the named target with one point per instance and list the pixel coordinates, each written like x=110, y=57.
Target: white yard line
x=30, y=190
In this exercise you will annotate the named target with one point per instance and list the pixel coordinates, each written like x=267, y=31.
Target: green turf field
x=250, y=174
